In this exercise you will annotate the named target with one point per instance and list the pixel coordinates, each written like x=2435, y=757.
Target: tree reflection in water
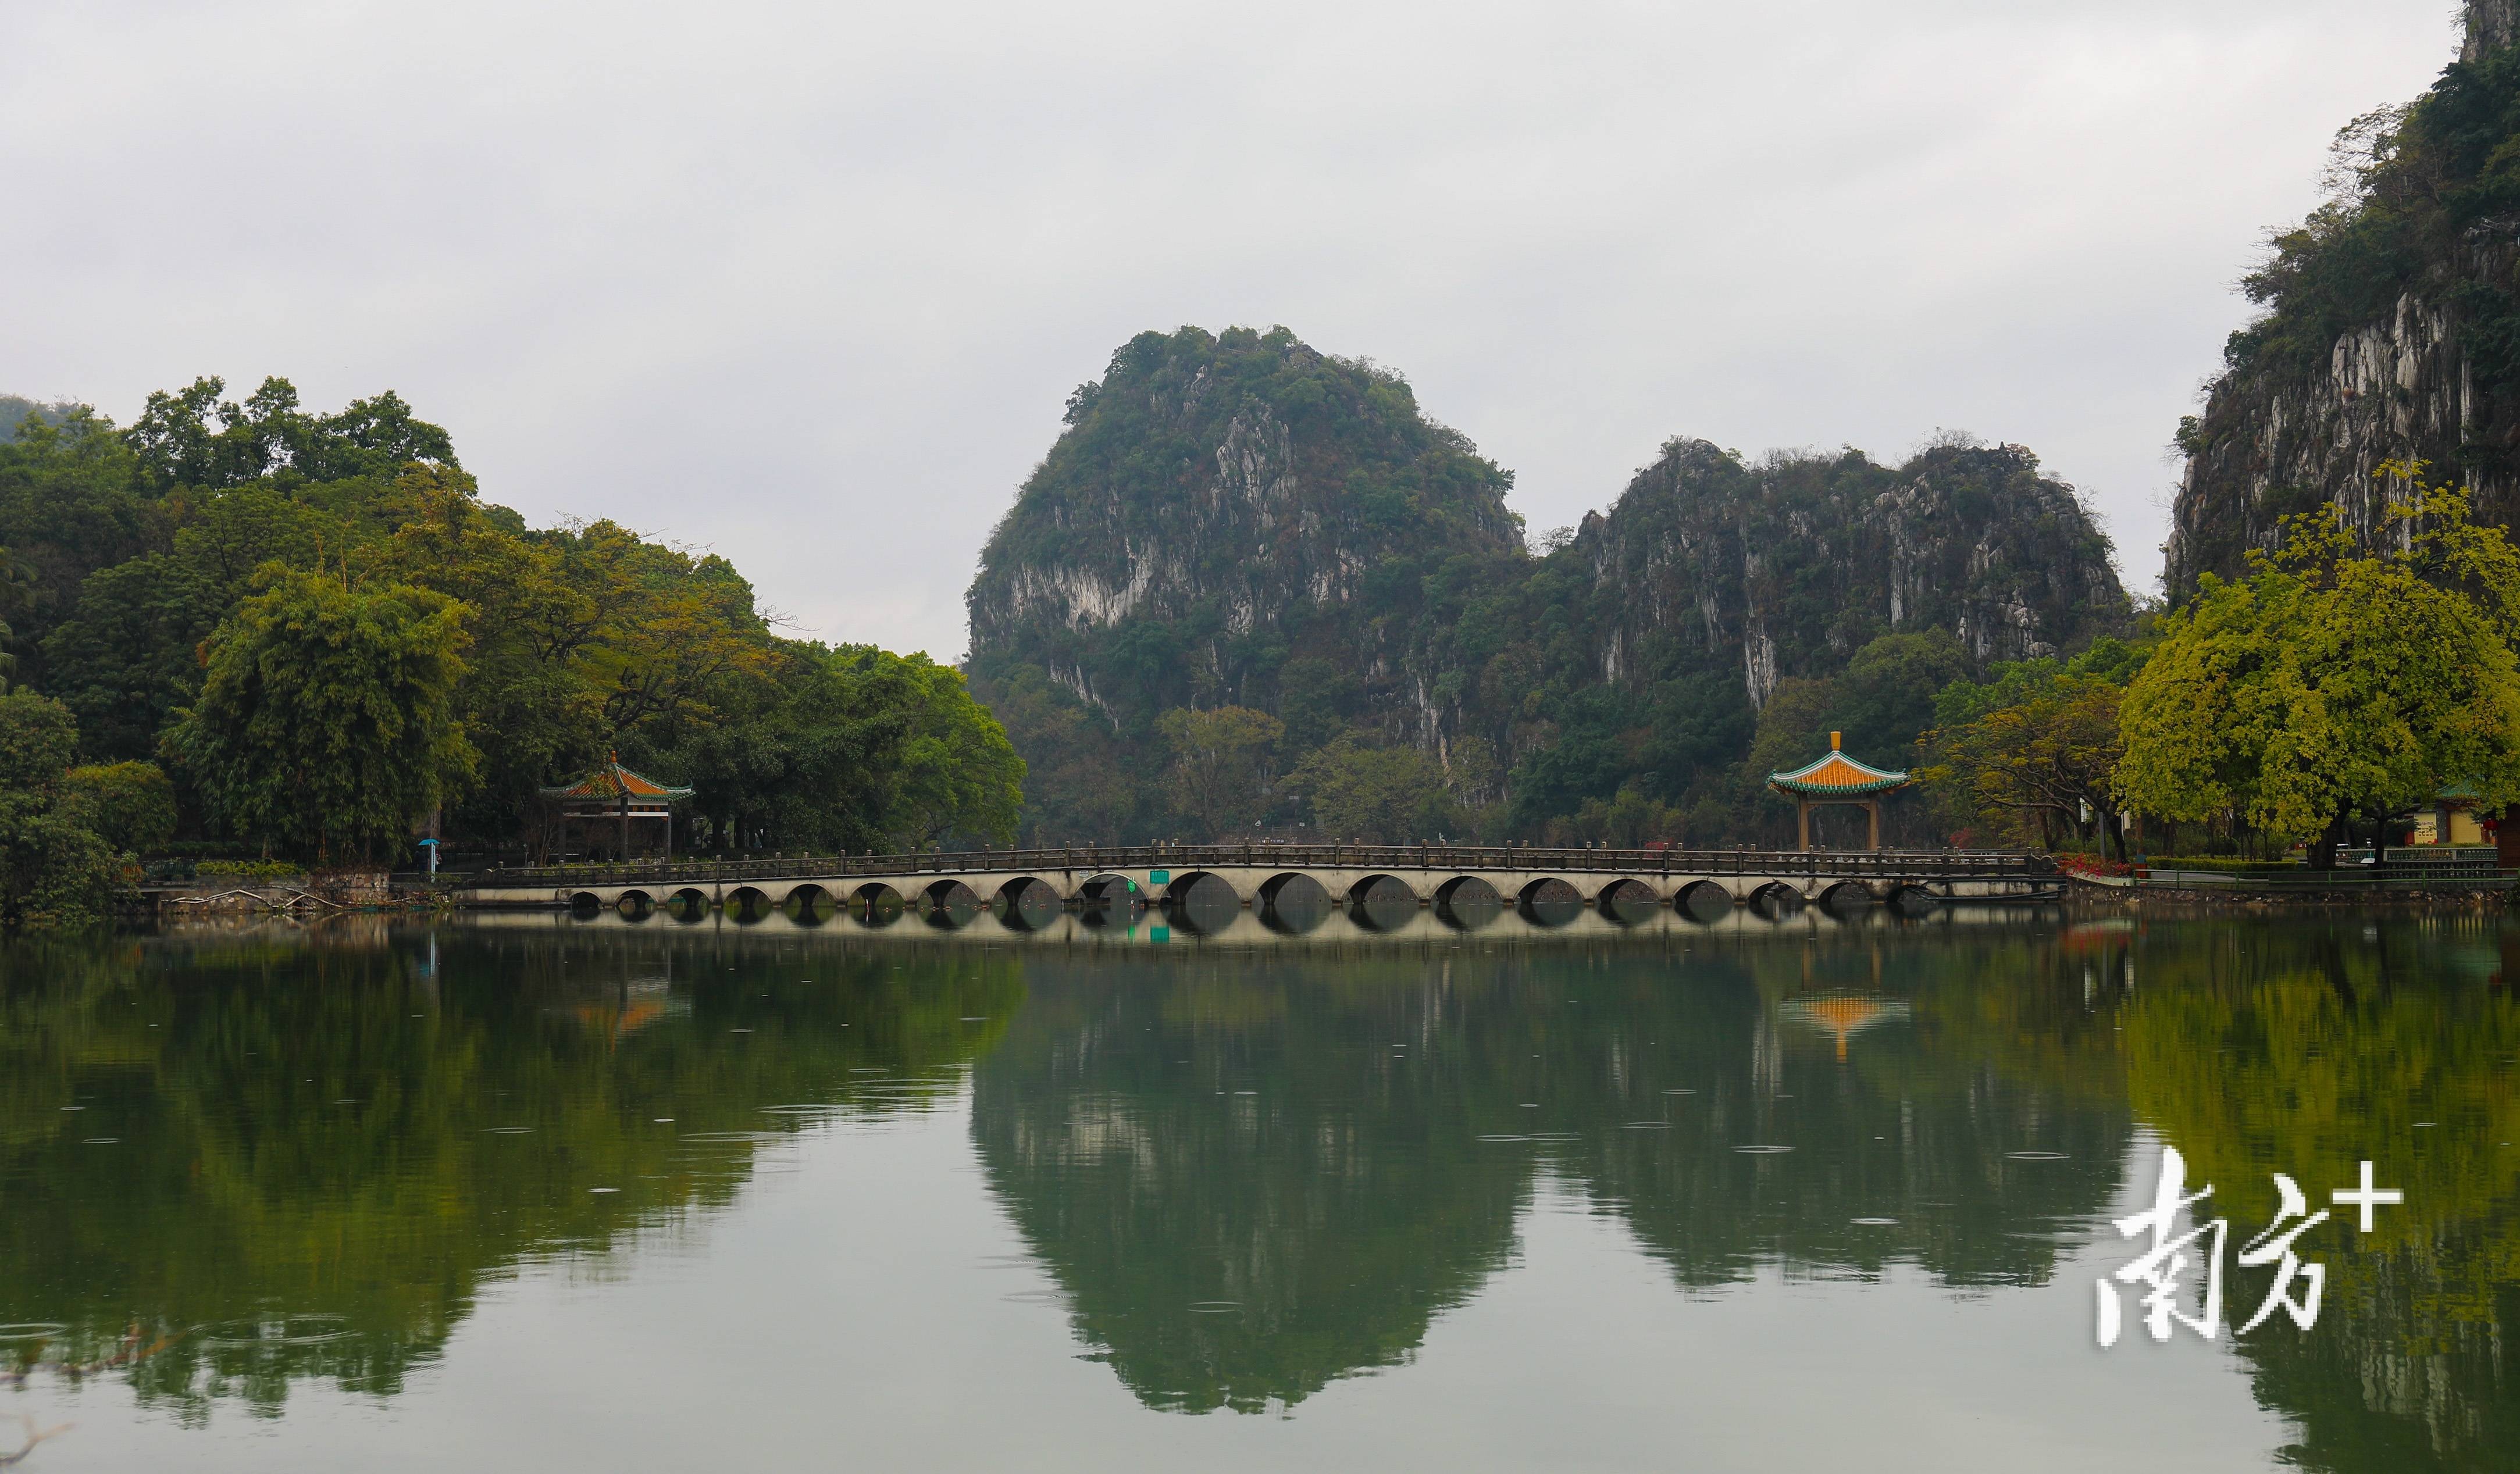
x=1338, y=1145
x=325, y=1146
x=1254, y=1170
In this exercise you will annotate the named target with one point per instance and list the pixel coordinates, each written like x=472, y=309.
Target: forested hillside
x=1253, y=586
x=2391, y=328
x=322, y=633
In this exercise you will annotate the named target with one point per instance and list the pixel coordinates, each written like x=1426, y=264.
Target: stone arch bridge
x=1259, y=874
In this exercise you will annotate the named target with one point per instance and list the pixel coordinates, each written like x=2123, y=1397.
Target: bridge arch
x=1382, y=903
x=744, y=903
x=585, y=903
x=1292, y=902
x=1017, y=890
x=1179, y=887
x=634, y=904
x=1776, y=898
x=1107, y=885
x=875, y=904
x=950, y=901
x=1467, y=902
x=1845, y=895
x=808, y=902
x=1390, y=885
x=1701, y=900
x=1627, y=900
x=687, y=905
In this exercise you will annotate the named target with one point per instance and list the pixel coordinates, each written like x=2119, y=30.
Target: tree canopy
x=262, y=593
x=2335, y=681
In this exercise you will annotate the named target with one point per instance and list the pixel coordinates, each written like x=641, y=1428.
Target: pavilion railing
x=1912, y=864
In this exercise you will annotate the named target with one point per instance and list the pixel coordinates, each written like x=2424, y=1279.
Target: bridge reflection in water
x=1288, y=889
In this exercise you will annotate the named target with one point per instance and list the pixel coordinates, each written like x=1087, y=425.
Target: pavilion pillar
x=1802, y=823
x=1872, y=821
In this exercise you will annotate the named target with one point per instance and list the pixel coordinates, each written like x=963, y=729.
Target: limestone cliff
x=2391, y=330
x=1216, y=504
x=1239, y=520
x=1786, y=568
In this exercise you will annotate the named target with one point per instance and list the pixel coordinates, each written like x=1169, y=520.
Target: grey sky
x=808, y=283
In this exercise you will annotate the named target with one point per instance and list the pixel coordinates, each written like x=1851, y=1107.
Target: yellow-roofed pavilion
x=1837, y=779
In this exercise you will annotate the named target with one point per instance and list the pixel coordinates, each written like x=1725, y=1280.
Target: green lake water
x=1731, y=1194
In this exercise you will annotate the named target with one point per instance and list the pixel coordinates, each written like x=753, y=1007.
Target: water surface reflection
x=1256, y=1156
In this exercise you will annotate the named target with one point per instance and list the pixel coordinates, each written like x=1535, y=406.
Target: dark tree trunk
x=2323, y=852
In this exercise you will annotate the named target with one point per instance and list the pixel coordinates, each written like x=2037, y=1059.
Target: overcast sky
x=808, y=283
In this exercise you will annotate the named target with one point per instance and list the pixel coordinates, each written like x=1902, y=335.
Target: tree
x=1221, y=765
x=130, y=805
x=955, y=774
x=326, y=719
x=1382, y=795
x=56, y=873
x=2050, y=756
x=2335, y=683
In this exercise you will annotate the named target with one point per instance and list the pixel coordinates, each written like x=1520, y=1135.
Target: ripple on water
x=99, y=1140
x=311, y=1329
x=1876, y=1223
x=32, y=1331
x=1504, y=1136
x=1761, y=1150
x=2035, y=1156
x=1646, y=1125
x=1033, y=1297
x=1215, y=1307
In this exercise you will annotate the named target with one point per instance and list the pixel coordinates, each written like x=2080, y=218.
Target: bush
x=248, y=869
x=132, y=805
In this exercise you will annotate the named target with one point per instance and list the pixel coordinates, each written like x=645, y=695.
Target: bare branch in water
x=33, y=1437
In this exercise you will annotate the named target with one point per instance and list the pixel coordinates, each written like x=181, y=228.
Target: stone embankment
x=304, y=894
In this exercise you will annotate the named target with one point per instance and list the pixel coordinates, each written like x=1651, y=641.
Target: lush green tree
x=55, y=872
x=2335, y=683
x=955, y=777
x=1224, y=759
x=131, y=805
x=327, y=720
x=1077, y=787
x=1628, y=819
x=2050, y=758
x=192, y=437
x=1378, y=794
x=69, y=507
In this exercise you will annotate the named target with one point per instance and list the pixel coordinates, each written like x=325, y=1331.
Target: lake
x=1407, y=1192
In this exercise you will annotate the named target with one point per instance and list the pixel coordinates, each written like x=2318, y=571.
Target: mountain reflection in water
x=1257, y=1155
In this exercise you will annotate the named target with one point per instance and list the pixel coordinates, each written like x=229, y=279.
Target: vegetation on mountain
x=2389, y=329
x=1237, y=523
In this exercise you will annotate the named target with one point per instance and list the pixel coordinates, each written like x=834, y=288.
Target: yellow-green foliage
x=2335, y=681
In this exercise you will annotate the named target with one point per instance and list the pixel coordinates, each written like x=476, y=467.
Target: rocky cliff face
x=1238, y=520
x=1785, y=568
x=2391, y=330
x=1217, y=503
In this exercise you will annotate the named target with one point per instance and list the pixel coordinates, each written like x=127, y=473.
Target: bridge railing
x=1185, y=858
